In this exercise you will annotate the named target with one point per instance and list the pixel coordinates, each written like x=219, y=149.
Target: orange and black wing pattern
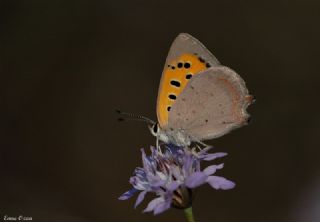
x=187, y=57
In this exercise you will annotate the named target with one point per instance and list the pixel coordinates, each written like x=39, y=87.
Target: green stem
x=189, y=214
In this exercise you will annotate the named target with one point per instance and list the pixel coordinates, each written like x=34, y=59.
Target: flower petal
x=212, y=169
x=176, y=172
x=173, y=186
x=173, y=148
x=145, y=161
x=156, y=182
x=196, y=179
x=220, y=183
x=128, y=194
x=140, y=198
x=153, y=203
x=161, y=207
x=213, y=156
x=161, y=175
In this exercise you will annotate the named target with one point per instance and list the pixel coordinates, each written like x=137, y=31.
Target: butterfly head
x=154, y=129
x=161, y=134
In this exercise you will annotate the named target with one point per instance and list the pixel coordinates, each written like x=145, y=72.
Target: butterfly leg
x=198, y=147
x=201, y=145
x=157, y=143
x=158, y=146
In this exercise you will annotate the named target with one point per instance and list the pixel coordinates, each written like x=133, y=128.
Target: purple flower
x=172, y=175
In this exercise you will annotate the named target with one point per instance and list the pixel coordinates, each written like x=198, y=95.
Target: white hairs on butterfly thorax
x=177, y=137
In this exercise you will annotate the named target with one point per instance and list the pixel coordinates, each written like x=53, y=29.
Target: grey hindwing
x=213, y=103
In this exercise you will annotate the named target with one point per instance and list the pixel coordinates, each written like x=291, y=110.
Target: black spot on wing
x=187, y=65
x=189, y=76
x=201, y=60
x=172, y=96
x=175, y=83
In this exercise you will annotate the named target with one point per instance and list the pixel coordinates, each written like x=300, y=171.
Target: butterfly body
x=171, y=136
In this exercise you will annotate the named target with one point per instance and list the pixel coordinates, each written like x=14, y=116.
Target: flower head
x=172, y=175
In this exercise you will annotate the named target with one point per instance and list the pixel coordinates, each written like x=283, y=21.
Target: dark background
x=67, y=65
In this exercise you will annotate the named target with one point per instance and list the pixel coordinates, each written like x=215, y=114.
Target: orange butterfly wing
x=187, y=57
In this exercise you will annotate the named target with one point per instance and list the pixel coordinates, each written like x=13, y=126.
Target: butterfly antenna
x=133, y=117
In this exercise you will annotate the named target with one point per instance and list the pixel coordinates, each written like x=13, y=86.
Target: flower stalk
x=189, y=214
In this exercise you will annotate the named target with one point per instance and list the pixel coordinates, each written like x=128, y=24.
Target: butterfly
x=198, y=99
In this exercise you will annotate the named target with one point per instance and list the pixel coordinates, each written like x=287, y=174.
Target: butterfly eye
x=155, y=128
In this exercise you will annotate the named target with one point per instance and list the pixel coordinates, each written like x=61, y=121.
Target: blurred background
x=65, y=66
